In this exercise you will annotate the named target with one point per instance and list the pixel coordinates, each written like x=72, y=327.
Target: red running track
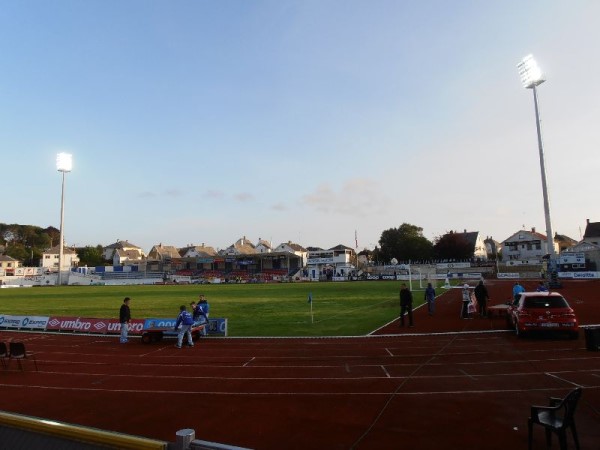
x=418, y=390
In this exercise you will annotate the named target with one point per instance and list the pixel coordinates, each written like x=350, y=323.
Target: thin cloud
x=214, y=194
x=244, y=197
x=279, y=207
x=172, y=193
x=357, y=197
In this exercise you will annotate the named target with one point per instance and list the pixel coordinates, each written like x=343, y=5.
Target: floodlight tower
x=64, y=164
x=532, y=77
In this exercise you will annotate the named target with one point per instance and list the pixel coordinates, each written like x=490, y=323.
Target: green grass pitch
x=339, y=309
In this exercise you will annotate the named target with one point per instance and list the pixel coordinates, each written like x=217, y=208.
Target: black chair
x=3, y=354
x=556, y=418
x=18, y=352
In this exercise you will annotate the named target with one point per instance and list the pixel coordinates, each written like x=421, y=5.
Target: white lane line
x=307, y=379
x=388, y=350
x=468, y=375
x=562, y=379
x=249, y=361
x=386, y=372
x=283, y=394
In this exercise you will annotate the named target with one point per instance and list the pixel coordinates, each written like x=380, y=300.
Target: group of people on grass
x=185, y=320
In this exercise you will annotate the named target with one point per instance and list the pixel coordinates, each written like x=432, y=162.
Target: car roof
x=540, y=294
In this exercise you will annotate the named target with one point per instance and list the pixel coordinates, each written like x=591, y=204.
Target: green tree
x=404, y=243
x=18, y=251
x=452, y=246
x=90, y=256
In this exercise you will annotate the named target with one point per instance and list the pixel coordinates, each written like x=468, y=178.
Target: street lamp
x=64, y=164
x=531, y=77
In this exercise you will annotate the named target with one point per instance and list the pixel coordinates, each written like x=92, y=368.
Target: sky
x=312, y=121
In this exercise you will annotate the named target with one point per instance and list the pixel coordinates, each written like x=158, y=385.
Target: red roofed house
x=526, y=246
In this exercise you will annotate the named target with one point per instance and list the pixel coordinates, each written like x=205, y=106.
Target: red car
x=542, y=311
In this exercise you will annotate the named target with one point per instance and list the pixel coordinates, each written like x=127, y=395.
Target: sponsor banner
x=457, y=265
x=571, y=258
x=87, y=325
x=159, y=323
x=23, y=322
x=579, y=275
x=468, y=275
x=315, y=261
x=204, y=260
x=216, y=326
x=586, y=275
x=389, y=277
x=508, y=275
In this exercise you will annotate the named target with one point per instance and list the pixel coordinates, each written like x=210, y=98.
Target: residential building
x=50, y=259
x=526, y=247
x=130, y=251
x=164, y=258
x=8, y=264
x=263, y=246
x=478, y=247
x=592, y=233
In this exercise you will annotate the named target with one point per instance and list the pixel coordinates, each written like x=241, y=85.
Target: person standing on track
x=430, y=298
x=482, y=296
x=406, y=305
x=124, y=319
x=466, y=299
x=205, y=307
x=517, y=291
x=183, y=326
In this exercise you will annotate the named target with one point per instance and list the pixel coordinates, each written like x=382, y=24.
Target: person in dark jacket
x=482, y=296
x=124, y=319
x=406, y=305
x=430, y=298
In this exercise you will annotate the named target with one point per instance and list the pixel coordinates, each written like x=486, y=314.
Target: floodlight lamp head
x=64, y=162
x=530, y=73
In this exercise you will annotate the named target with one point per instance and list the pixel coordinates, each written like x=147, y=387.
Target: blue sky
x=205, y=121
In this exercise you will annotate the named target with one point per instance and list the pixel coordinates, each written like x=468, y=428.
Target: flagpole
x=312, y=319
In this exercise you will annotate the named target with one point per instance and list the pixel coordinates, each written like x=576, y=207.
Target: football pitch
x=338, y=309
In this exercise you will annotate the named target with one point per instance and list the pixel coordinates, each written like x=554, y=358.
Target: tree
x=26, y=242
x=404, y=243
x=453, y=246
x=18, y=252
x=90, y=256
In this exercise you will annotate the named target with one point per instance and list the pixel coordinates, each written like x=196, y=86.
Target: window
x=545, y=302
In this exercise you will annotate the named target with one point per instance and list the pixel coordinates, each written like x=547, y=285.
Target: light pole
x=64, y=164
x=531, y=77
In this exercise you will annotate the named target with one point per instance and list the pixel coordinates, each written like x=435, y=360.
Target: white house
x=527, y=247
x=326, y=264
x=51, y=256
x=263, y=246
x=131, y=252
x=296, y=249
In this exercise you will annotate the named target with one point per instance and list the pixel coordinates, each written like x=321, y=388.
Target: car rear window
x=545, y=302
